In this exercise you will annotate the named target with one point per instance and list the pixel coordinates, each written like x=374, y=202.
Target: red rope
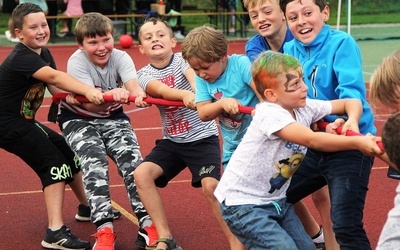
x=158, y=101
x=150, y=100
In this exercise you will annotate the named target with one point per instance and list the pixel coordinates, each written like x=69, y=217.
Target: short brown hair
x=321, y=4
x=21, y=11
x=205, y=43
x=156, y=20
x=92, y=24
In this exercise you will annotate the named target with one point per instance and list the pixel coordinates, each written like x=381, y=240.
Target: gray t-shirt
x=118, y=70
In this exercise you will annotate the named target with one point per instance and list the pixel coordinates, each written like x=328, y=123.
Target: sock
x=54, y=230
x=319, y=237
x=107, y=224
x=147, y=222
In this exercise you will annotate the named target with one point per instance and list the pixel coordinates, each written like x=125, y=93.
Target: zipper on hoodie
x=313, y=75
x=312, y=78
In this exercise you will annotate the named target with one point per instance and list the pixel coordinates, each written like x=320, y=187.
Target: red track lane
x=24, y=215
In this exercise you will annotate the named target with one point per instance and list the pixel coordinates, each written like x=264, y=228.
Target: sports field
x=21, y=201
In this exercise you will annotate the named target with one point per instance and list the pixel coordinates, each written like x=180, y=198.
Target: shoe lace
x=67, y=234
x=104, y=238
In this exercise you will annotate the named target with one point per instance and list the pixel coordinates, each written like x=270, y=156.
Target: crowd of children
x=270, y=160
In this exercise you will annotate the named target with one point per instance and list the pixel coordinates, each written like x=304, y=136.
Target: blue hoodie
x=332, y=69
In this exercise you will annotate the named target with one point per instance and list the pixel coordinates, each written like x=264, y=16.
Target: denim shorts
x=267, y=226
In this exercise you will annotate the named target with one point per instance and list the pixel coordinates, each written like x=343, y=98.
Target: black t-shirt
x=20, y=94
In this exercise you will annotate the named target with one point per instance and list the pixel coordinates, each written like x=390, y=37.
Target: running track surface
x=23, y=213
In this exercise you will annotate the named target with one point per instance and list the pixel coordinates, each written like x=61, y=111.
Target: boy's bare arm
x=190, y=76
x=158, y=89
x=209, y=110
x=302, y=135
x=350, y=107
x=67, y=83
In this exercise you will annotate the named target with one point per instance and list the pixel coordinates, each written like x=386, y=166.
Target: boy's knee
x=146, y=172
x=208, y=186
x=320, y=198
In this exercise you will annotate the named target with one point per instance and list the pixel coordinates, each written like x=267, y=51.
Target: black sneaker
x=320, y=246
x=140, y=242
x=63, y=239
x=83, y=214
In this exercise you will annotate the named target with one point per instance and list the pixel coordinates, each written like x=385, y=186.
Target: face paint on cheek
x=289, y=78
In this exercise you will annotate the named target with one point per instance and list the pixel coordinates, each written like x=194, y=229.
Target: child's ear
x=326, y=12
x=270, y=95
x=18, y=33
x=174, y=42
x=224, y=58
x=141, y=50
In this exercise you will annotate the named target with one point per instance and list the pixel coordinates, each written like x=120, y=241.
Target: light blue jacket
x=332, y=68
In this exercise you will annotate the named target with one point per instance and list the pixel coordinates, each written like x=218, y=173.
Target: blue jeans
x=267, y=226
x=347, y=175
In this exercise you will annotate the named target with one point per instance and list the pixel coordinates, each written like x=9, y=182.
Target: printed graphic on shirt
x=175, y=123
x=169, y=81
x=227, y=120
x=32, y=101
x=286, y=168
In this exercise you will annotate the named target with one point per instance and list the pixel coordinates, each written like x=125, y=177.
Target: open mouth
x=304, y=31
x=101, y=54
x=265, y=26
x=156, y=47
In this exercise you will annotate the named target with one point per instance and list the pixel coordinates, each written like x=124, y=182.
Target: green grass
x=192, y=22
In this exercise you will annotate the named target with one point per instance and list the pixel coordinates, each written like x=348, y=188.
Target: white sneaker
x=178, y=35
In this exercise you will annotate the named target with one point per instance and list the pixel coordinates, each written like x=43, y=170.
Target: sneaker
x=178, y=35
x=320, y=246
x=83, y=214
x=63, y=239
x=147, y=237
x=104, y=239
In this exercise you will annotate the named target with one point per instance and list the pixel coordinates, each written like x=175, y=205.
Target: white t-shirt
x=261, y=167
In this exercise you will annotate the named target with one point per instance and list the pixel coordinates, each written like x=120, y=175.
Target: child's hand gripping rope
x=157, y=101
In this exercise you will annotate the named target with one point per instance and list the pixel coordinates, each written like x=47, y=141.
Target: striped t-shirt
x=179, y=124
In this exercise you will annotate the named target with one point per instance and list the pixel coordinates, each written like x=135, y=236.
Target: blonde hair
x=253, y=3
x=385, y=82
x=205, y=43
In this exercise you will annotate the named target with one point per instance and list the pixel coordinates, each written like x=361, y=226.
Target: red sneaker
x=104, y=239
x=149, y=235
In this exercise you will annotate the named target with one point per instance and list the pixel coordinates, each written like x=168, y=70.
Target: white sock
x=107, y=224
x=319, y=237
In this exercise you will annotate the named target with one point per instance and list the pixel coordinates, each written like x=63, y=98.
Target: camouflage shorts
x=94, y=140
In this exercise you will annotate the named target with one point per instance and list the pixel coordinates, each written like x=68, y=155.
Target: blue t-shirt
x=258, y=44
x=233, y=83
